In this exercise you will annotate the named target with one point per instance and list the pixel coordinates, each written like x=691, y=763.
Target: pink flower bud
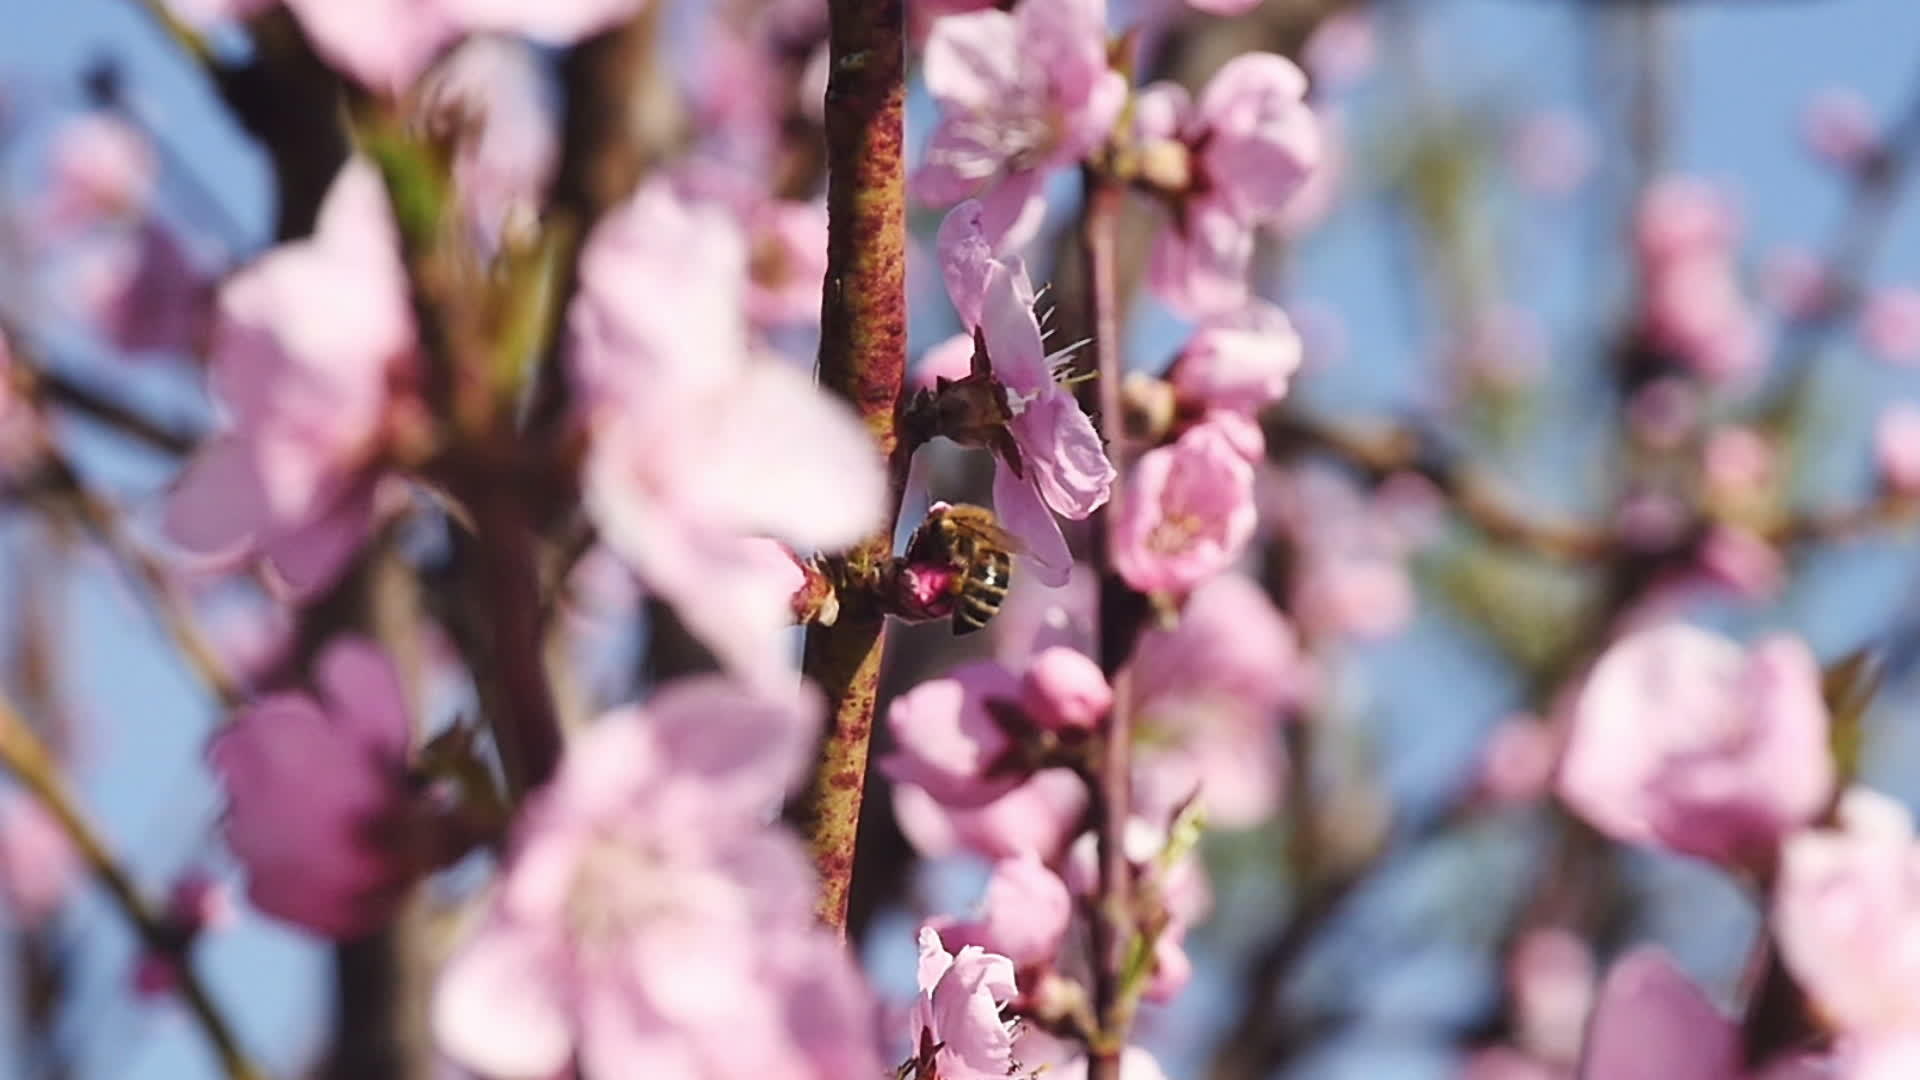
x=1652, y=1021
x=1063, y=690
x=1241, y=363
x=1023, y=916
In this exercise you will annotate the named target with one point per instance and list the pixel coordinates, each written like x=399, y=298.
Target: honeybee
x=967, y=539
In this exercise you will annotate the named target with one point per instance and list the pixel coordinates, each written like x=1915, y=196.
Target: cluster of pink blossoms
x=1682, y=740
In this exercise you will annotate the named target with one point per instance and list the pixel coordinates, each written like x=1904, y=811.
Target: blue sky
x=1742, y=70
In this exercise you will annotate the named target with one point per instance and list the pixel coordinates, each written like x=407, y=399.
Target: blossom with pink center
x=1241, y=362
x=1021, y=93
x=647, y=922
x=1055, y=463
x=1023, y=915
x=1896, y=447
x=1839, y=128
x=693, y=462
x=957, y=1026
x=1846, y=913
x=1037, y=817
x=1652, y=1021
x=1233, y=163
x=100, y=168
x=1684, y=739
x=496, y=93
x=38, y=866
x=386, y=44
x=1187, y=515
x=1890, y=324
x=320, y=809
x=1214, y=689
x=308, y=389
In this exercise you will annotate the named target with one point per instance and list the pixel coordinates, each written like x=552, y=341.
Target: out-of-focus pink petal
x=1263, y=140
x=1652, y=1021
x=972, y=60
x=1064, y=690
x=948, y=739
x=494, y=1010
x=747, y=750
x=1198, y=265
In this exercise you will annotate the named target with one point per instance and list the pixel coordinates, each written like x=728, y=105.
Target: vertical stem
x=1120, y=609
x=504, y=580
x=863, y=338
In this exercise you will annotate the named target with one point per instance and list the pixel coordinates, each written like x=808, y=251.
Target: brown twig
x=863, y=336
x=75, y=396
x=23, y=753
x=1121, y=616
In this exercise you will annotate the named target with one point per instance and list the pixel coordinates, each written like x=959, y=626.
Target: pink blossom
x=142, y=290
x=101, y=168
x=1890, y=324
x=38, y=866
x=1518, y=762
x=1188, y=513
x=1039, y=817
x=692, y=459
x=1795, y=282
x=950, y=742
x=1652, y=1021
x=1684, y=739
x=1250, y=144
x=1695, y=309
x=1023, y=916
x=1839, y=128
x=1896, y=444
x=956, y=1019
x=1055, y=463
x=646, y=922
x=1342, y=50
x=308, y=389
x=1350, y=576
x=1021, y=93
x=509, y=147
x=1213, y=690
x=320, y=809
x=1551, y=152
x=1240, y=362
x=1682, y=216
x=386, y=44
x=1847, y=916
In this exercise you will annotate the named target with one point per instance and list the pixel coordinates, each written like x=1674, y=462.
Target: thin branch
x=76, y=396
x=863, y=337
x=186, y=37
x=1122, y=612
x=26, y=756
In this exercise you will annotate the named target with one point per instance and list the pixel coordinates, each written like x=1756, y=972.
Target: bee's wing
x=990, y=532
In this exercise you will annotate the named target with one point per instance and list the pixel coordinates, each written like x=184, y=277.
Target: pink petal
x=364, y=695
x=496, y=1009
x=1023, y=514
x=1064, y=456
x=973, y=61
x=1012, y=331
x=1652, y=1021
x=1199, y=267
x=217, y=506
x=966, y=260
x=746, y=750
